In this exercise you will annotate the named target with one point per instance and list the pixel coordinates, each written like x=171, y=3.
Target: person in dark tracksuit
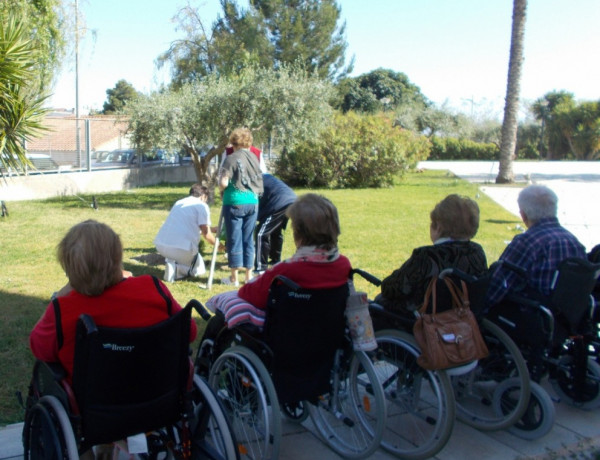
x=272, y=220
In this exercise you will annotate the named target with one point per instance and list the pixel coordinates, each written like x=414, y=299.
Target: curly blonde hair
x=241, y=138
x=91, y=254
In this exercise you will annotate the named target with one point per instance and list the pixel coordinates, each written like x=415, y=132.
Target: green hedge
x=450, y=148
x=357, y=151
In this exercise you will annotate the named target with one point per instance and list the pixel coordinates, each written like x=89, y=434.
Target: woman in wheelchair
x=302, y=362
x=317, y=263
x=454, y=221
x=91, y=255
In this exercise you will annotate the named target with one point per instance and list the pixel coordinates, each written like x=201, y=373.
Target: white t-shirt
x=182, y=227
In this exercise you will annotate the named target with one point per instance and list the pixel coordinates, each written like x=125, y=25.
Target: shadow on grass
x=18, y=315
x=498, y=221
x=159, y=197
x=441, y=179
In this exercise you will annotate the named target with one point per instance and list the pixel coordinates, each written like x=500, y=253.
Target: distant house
x=60, y=141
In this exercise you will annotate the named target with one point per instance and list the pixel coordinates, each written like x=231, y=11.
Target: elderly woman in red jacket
x=91, y=255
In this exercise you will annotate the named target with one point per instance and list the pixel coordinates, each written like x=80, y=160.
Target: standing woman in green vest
x=241, y=184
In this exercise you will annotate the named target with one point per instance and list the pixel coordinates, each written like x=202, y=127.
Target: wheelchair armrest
x=515, y=268
x=366, y=275
x=56, y=370
x=534, y=305
x=384, y=319
x=50, y=378
x=522, y=300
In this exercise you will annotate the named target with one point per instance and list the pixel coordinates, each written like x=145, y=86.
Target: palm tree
x=21, y=111
x=508, y=141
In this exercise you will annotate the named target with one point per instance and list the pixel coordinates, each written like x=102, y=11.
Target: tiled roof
x=61, y=135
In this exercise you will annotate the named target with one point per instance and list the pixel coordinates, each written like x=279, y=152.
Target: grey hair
x=538, y=202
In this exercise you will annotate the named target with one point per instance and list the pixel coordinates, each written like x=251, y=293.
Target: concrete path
x=577, y=185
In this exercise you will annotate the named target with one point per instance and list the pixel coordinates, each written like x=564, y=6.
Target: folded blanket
x=236, y=310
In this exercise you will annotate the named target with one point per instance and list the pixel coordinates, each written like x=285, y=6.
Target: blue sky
x=456, y=51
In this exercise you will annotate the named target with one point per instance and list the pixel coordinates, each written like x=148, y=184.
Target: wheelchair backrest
x=129, y=381
x=571, y=290
x=304, y=328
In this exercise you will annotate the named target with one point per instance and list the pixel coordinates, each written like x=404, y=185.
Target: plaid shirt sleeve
x=538, y=251
x=503, y=280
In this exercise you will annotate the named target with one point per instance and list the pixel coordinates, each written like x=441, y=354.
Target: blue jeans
x=240, y=221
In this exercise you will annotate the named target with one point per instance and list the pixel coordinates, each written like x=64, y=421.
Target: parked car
x=127, y=158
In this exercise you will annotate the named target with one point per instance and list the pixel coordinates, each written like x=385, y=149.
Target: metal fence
x=86, y=144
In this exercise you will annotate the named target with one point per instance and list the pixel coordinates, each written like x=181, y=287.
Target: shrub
x=357, y=151
x=450, y=148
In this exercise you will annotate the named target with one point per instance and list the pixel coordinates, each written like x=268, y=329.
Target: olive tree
x=286, y=104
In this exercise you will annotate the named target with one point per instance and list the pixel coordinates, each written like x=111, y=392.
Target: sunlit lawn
x=380, y=227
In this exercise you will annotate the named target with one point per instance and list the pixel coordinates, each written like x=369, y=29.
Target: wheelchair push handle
x=458, y=273
x=366, y=275
x=200, y=308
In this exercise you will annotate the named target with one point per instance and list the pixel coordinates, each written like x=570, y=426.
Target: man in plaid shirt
x=537, y=252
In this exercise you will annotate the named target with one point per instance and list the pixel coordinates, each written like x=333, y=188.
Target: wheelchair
x=558, y=338
x=302, y=363
x=491, y=394
x=419, y=403
x=135, y=384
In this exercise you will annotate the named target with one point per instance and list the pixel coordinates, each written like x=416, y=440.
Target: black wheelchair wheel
x=212, y=433
x=246, y=391
x=420, y=403
x=47, y=432
x=539, y=416
x=502, y=376
x=295, y=412
x=585, y=395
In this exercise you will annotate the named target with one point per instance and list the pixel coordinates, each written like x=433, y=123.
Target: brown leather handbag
x=450, y=338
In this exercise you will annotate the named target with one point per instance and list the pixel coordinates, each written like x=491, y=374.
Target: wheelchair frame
x=53, y=426
x=568, y=354
x=350, y=417
x=486, y=397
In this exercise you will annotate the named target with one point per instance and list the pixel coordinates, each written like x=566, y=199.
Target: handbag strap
x=430, y=293
x=460, y=297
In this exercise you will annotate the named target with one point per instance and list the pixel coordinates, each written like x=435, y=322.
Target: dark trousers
x=269, y=239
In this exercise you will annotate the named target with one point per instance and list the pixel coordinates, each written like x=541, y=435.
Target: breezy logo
x=299, y=296
x=115, y=347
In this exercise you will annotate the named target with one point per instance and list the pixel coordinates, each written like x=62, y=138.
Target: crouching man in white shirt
x=179, y=236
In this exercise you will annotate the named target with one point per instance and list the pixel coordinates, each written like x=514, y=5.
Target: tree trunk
x=508, y=142
x=201, y=164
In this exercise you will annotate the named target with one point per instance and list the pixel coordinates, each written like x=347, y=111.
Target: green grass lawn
x=380, y=227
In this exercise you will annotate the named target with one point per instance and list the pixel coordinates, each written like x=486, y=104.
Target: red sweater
x=132, y=303
x=309, y=275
